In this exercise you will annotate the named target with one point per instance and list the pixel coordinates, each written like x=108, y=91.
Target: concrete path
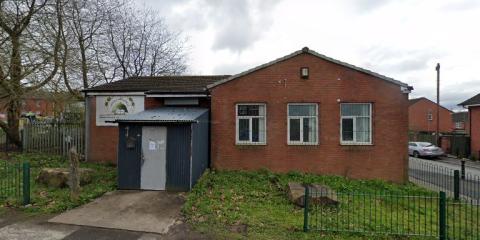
x=132, y=208
x=142, y=211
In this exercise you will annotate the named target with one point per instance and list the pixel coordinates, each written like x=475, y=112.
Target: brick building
x=461, y=122
x=302, y=112
x=473, y=106
x=422, y=116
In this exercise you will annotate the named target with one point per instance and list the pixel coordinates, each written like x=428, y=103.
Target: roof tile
x=159, y=84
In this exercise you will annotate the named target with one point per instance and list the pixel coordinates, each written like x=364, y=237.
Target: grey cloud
x=236, y=24
x=232, y=68
x=240, y=23
x=390, y=60
x=368, y=5
x=461, y=5
x=450, y=97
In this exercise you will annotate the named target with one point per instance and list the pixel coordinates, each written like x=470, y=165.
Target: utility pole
x=437, y=132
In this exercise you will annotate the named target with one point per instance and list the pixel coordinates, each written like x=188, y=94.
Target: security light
x=304, y=72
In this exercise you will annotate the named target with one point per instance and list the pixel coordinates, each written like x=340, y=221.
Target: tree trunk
x=74, y=180
x=14, y=103
x=13, y=118
x=84, y=63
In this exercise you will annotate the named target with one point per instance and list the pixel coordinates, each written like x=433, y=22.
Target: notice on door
x=152, y=145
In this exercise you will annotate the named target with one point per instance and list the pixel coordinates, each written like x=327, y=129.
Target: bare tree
x=107, y=40
x=31, y=32
x=142, y=45
x=75, y=44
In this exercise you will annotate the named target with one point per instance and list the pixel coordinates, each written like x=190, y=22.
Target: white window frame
x=354, y=141
x=429, y=116
x=237, y=118
x=301, y=142
x=459, y=125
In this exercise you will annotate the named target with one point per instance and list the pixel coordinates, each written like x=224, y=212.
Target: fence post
x=26, y=183
x=442, y=208
x=463, y=169
x=305, y=210
x=456, y=185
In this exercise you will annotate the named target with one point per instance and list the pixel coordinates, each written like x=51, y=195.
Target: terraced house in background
x=302, y=112
x=473, y=106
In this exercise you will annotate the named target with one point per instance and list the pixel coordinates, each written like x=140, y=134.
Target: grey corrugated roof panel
x=165, y=114
x=475, y=100
x=177, y=83
x=307, y=50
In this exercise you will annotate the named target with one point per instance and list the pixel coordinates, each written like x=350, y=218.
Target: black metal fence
x=425, y=216
x=15, y=181
x=457, y=183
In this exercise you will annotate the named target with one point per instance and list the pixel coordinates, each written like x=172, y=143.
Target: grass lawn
x=52, y=200
x=223, y=200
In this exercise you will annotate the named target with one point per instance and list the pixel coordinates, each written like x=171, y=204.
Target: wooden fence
x=53, y=138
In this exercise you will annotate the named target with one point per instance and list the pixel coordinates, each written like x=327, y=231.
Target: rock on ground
x=319, y=194
x=58, y=177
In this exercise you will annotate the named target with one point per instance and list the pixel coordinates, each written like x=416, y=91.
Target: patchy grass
x=224, y=200
x=52, y=200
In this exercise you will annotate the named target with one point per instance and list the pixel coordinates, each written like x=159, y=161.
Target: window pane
x=347, y=129
x=309, y=130
x=255, y=130
x=294, y=129
x=363, y=129
x=302, y=110
x=243, y=130
x=355, y=109
x=261, y=129
x=251, y=110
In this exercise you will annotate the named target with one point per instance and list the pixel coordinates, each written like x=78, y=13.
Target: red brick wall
x=418, y=121
x=103, y=140
x=475, y=130
x=43, y=106
x=279, y=85
x=103, y=145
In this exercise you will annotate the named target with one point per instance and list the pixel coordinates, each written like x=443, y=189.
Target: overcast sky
x=401, y=39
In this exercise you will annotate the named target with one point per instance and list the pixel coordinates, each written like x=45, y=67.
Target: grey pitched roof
x=307, y=50
x=472, y=101
x=415, y=100
x=166, y=115
x=160, y=84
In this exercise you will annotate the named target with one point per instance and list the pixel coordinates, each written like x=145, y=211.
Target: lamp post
x=437, y=132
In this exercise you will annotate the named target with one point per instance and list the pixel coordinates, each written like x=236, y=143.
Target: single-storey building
x=473, y=106
x=302, y=112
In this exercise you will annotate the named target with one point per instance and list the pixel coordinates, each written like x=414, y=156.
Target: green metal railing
x=427, y=215
x=15, y=181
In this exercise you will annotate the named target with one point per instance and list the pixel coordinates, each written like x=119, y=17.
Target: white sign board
x=109, y=108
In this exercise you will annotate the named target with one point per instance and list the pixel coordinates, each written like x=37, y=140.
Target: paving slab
x=35, y=231
x=141, y=211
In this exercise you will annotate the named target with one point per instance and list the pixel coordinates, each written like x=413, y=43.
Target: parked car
x=424, y=149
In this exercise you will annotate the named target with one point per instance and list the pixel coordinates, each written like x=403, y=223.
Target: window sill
x=356, y=144
x=302, y=144
x=250, y=144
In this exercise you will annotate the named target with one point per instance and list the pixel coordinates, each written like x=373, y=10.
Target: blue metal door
x=129, y=156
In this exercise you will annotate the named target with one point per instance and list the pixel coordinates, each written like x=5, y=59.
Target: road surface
x=438, y=175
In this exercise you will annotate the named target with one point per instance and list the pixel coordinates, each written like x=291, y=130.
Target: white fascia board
x=177, y=95
x=472, y=105
x=115, y=93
